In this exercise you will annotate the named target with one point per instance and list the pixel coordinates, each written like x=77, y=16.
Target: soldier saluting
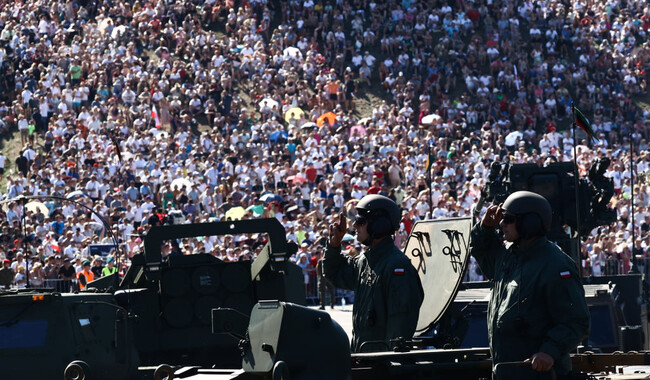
x=537, y=311
x=388, y=292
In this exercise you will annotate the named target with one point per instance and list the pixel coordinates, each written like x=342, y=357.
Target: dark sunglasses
x=508, y=218
x=360, y=220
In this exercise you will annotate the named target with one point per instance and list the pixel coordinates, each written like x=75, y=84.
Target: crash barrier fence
x=63, y=286
x=614, y=266
x=60, y=285
x=342, y=297
x=608, y=267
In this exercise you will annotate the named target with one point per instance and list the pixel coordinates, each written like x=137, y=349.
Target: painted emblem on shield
x=438, y=249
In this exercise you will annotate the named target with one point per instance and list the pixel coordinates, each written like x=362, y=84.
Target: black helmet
x=383, y=214
x=533, y=212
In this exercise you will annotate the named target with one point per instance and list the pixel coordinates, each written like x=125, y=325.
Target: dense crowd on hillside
x=152, y=112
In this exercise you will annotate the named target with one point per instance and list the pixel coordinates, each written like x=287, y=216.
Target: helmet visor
x=360, y=220
x=508, y=218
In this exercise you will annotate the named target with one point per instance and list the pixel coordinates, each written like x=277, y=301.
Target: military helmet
x=383, y=214
x=525, y=203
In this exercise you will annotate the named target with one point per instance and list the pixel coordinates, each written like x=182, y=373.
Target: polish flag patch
x=398, y=271
x=566, y=274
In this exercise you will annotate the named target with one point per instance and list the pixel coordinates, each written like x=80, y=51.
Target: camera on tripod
x=556, y=183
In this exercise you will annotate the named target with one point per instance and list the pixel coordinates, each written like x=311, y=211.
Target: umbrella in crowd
x=296, y=179
x=293, y=208
x=127, y=155
x=431, y=119
x=270, y=197
x=35, y=206
x=329, y=116
x=292, y=51
x=75, y=194
x=118, y=31
x=511, y=138
x=235, y=213
x=268, y=102
x=256, y=209
x=357, y=130
x=293, y=113
x=275, y=136
x=309, y=125
x=180, y=182
x=363, y=121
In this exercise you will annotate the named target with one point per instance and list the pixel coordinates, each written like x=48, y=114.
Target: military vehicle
x=171, y=298
x=46, y=334
x=160, y=312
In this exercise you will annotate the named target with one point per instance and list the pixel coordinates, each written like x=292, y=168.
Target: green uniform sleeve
x=485, y=245
x=341, y=271
x=404, y=299
x=570, y=315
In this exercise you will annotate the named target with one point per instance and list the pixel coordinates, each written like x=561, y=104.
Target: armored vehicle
x=160, y=312
x=46, y=334
x=171, y=298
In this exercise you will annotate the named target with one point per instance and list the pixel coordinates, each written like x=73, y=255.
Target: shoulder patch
x=398, y=271
x=565, y=274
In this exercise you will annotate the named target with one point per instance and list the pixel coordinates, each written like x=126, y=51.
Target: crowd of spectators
x=151, y=112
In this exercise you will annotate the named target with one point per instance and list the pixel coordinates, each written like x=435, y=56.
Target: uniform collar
x=374, y=254
x=531, y=248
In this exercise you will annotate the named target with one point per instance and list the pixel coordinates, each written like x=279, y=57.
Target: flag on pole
x=582, y=122
x=154, y=116
x=430, y=160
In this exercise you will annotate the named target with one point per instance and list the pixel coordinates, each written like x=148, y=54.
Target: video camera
x=556, y=183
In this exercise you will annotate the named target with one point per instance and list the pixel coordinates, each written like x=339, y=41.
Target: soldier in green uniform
x=388, y=292
x=537, y=311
